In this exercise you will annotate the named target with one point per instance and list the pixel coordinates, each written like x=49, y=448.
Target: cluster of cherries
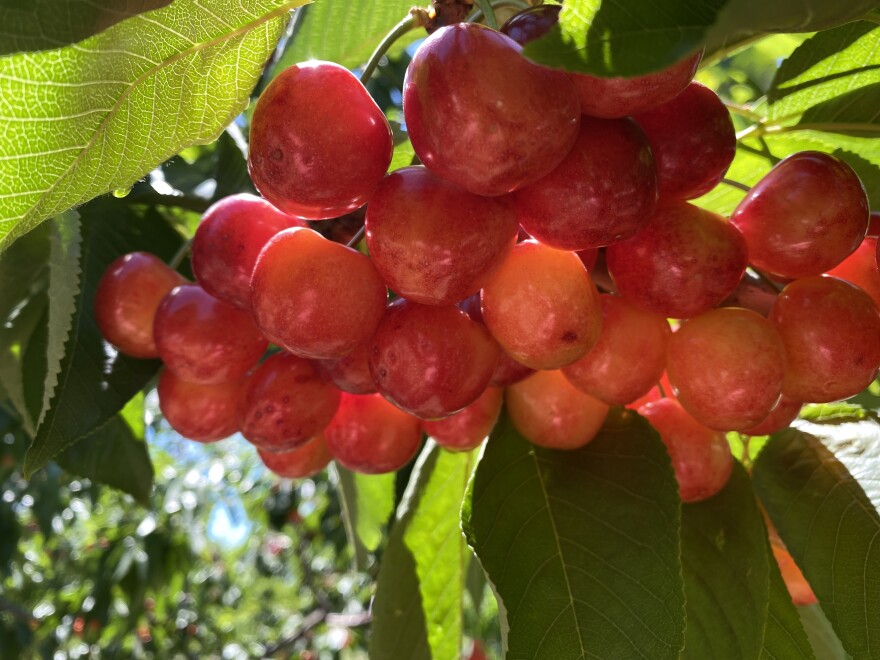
x=487, y=247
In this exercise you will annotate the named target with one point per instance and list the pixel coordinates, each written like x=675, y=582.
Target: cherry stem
x=180, y=255
x=357, y=238
x=479, y=13
x=736, y=184
x=388, y=40
x=765, y=279
x=489, y=12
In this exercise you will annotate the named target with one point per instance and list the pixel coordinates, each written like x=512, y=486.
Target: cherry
x=315, y=298
x=727, y=367
x=199, y=412
x=481, y=115
x=303, y=131
x=629, y=357
x=682, y=263
x=693, y=141
x=431, y=361
x=782, y=415
x=700, y=456
x=831, y=332
x=551, y=412
x=284, y=403
x=531, y=23
x=798, y=588
x=370, y=435
x=860, y=268
x=433, y=242
x=467, y=428
x=203, y=339
x=126, y=300
x=350, y=373
x=229, y=239
x=304, y=461
x=804, y=217
x=542, y=306
x=602, y=192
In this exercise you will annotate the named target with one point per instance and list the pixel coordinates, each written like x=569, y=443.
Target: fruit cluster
x=526, y=173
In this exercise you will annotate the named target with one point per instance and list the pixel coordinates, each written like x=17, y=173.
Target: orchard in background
x=640, y=258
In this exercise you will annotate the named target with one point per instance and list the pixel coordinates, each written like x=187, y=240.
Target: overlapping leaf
x=95, y=116
x=367, y=504
x=581, y=547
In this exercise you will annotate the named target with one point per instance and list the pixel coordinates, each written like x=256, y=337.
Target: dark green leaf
x=231, y=174
x=112, y=455
x=86, y=119
x=581, y=547
x=46, y=24
x=343, y=31
x=95, y=382
x=821, y=634
x=417, y=612
x=829, y=525
x=784, y=635
x=626, y=38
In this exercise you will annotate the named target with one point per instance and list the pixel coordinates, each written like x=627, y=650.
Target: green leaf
x=829, y=525
x=95, y=382
x=832, y=79
x=784, y=634
x=46, y=24
x=64, y=283
x=115, y=456
x=727, y=574
x=367, y=504
x=821, y=634
x=418, y=608
x=343, y=31
x=404, y=154
x=627, y=38
x=581, y=547
x=82, y=120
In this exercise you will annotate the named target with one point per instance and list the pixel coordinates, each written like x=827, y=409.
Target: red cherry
x=431, y=361
x=284, y=403
x=481, y=115
x=304, y=131
x=798, y=588
x=793, y=225
x=350, y=373
x=199, y=412
x=700, y=456
x=315, y=298
x=229, y=239
x=531, y=23
x=860, y=268
x=433, y=242
x=782, y=415
x=126, y=300
x=203, y=339
x=466, y=429
x=371, y=436
x=304, y=461
x=693, y=141
x=602, y=192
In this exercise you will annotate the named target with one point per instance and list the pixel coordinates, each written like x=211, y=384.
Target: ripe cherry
x=782, y=415
x=431, y=361
x=860, y=268
x=199, y=412
x=682, y=263
x=798, y=588
x=284, y=403
x=433, y=242
x=831, y=332
x=700, y=456
x=602, y=192
x=350, y=373
x=551, y=412
x=304, y=461
x=127, y=298
x=315, y=298
x=370, y=435
x=303, y=131
x=542, y=306
x=229, y=239
x=693, y=141
x=727, y=367
x=629, y=357
x=793, y=225
x=203, y=339
x=467, y=428
x=481, y=115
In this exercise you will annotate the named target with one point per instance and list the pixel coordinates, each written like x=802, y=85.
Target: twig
x=358, y=237
x=736, y=184
x=311, y=620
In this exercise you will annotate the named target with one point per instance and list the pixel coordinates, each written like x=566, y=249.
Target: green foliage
x=367, y=502
x=624, y=38
x=123, y=101
x=829, y=525
x=418, y=608
x=581, y=547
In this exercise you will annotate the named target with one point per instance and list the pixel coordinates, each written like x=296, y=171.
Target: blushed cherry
x=304, y=461
x=466, y=429
x=204, y=413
